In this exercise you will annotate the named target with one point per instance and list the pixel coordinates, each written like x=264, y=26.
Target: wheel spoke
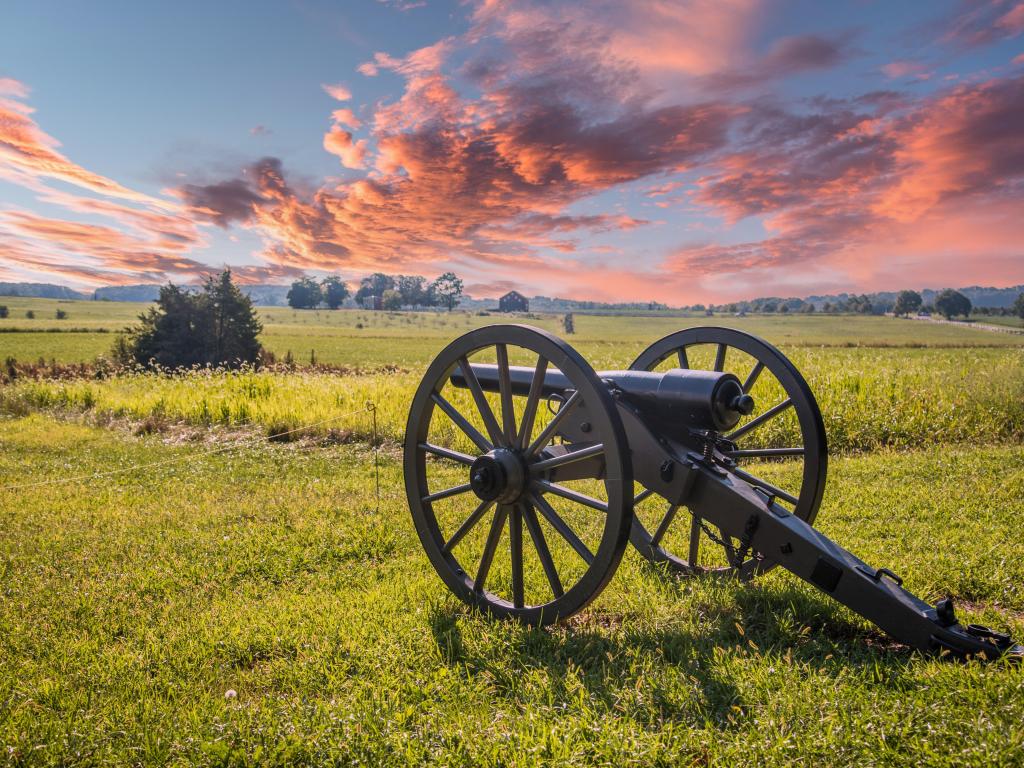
x=772, y=489
x=468, y=525
x=563, y=530
x=543, y=553
x=751, y=452
x=771, y=413
x=642, y=495
x=532, y=401
x=720, y=357
x=480, y=398
x=493, y=538
x=752, y=376
x=571, y=495
x=548, y=432
x=695, y=531
x=666, y=521
x=567, y=458
x=508, y=411
x=515, y=535
x=454, y=491
x=681, y=358
x=446, y=453
x=460, y=421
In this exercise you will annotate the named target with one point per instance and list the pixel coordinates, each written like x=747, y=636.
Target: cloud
x=862, y=189
x=352, y=153
x=975, y=24
x=337, y=91
x=260, y=130
x=787, y=56
x=902, y=68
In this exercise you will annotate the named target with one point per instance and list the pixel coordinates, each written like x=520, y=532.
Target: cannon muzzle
x=678, y=398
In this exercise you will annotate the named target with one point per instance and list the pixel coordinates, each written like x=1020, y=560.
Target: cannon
x=512, y=428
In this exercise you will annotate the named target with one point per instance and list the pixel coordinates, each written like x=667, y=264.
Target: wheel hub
x=498, y=475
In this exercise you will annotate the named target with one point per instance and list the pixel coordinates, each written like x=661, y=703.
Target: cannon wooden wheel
x=724, y=346
x=476, y=467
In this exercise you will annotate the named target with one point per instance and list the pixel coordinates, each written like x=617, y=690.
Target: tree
x=61, y=314
x=391, y=300
x=4, y=311
x=334, y=291
x=907, y=303
x=374, y=285
x=448, y=290
x=217, y=326
x=951, y=303
x=304, y=294
x=569, y=324
x=30, y=315
x=234, y=327
x=413, y=289
x=1018, y=307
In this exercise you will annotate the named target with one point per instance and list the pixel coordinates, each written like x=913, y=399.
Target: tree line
x=948, y=303
x=391, y=291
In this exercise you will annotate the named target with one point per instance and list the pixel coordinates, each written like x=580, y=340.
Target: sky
x=678, y=151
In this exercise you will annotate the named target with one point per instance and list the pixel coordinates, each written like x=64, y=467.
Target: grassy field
x=247, y=602
x=254, y=607
x=358, y=338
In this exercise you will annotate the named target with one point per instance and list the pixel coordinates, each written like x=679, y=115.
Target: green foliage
x=61, y=314
x=334, y=290
x=391, y=300
x=217, y=326
x=414, y=290
x=305, y=294
x=952, y=303
x=907, y=303
x=30, y=314
x=448, y=290
x=4, y=311
x=132, y=604
x=1018, y=306
x=373, y=285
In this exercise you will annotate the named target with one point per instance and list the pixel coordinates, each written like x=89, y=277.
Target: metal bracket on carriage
x=681, y=435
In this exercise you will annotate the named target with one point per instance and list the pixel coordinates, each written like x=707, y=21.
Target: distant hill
x=145, y=292
x=41, y=291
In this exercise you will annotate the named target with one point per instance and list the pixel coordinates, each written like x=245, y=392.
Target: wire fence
x=195, y=456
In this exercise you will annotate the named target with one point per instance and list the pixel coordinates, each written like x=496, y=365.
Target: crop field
x=245, y=597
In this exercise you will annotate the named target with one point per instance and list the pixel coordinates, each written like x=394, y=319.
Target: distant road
x=982, y=326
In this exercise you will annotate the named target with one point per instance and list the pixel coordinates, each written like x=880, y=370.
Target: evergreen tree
x=217, y=326
x=1018, y=306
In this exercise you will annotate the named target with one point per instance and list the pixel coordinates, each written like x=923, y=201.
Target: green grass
x=870, y=397
x=361, y=338
x=130, y=605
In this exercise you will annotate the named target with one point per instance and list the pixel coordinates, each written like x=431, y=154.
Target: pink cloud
x=337, y=91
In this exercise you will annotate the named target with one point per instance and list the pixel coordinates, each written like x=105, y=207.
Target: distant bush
x=4, y=311
x=216, y=326
x=62, y=315
x=30, y=315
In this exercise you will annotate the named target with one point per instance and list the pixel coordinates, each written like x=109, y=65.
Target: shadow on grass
x=732, y=637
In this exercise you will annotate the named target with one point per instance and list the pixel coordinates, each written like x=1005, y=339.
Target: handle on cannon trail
x=876, y=594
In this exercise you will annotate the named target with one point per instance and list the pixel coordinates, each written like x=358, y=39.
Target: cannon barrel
x=680, y=397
